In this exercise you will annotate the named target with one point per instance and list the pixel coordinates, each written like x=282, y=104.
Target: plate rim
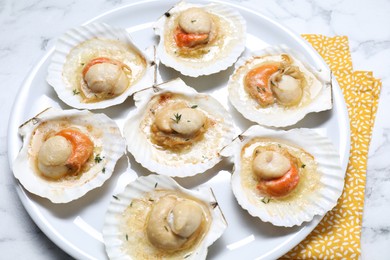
x=13, y=124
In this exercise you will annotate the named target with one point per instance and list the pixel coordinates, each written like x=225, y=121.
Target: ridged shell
x=76, y=36
x=203, y=155
x=113, y=235
x=224, y=57
x=319, y=95
x=108, y=142
x=302, y=207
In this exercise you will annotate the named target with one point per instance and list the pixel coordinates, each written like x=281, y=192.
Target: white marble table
x=28, y=30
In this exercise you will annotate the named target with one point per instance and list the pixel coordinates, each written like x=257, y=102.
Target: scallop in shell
x=97, y=66
x=276, y=87
x=156, y=218
x=285, y=177
x=67, y=153
x=200, y=39
x=177, y=131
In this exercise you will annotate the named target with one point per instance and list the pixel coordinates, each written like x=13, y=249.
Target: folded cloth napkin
x=337, y=236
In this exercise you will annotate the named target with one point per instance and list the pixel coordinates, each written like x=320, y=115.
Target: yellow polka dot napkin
x=337, y=236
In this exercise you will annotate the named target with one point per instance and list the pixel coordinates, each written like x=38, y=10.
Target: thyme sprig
x=177, y=118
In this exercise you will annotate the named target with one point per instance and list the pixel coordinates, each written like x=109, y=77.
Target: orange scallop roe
x=257, y=83
x=82, y=148
x=184, y=39
x=282, y=186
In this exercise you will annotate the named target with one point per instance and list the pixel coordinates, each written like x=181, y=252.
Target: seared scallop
x=97, y=66
x=156, y=218
x=67, y=153
x=276, y=87
x=285, y=177
x=200, y=39
x=177, y=131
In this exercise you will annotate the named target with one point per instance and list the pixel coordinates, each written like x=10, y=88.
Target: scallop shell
x=311, y=201
x=109, y=145
x=217, y=59
x=203, y=155
x=64, y=51
x=318, y=96
x=114, y=236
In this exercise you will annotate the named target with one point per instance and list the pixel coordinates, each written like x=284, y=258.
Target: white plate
x=75, y=227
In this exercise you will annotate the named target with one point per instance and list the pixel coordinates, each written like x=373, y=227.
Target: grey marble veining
x=29, y=29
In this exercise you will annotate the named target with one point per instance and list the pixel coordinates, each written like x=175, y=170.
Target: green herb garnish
x=177, y=118
x=115, y=197
x=265, y=200
x=104, y=170
x=194, y=106
x=76, y=92
x=98, y=159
